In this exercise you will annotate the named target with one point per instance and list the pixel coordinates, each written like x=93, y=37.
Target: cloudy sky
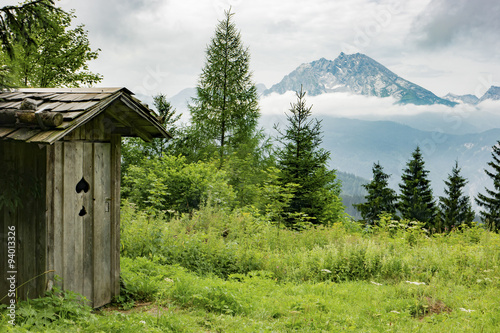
x=153, y=46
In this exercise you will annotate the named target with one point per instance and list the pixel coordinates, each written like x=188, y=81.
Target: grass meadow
x=221, y=271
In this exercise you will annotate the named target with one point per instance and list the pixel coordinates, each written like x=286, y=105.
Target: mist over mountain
x=467, y=99
x=357, y=74
x=181, y=100
x=356, y=144
x=352, y=192
x=493, y=94
x=261, y=88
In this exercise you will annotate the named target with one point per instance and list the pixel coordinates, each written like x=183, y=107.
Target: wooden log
x=48, y=119
x=8, y=117
x=28, y=104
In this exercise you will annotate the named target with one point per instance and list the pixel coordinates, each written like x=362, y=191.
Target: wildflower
x=415, y=283
x=376, y=283
x=466, y=310
x=142, y=322
x=394, y=311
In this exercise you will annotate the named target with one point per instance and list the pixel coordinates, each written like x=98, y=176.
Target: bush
x=140, y=280
x=172, y=184
x=141, y=234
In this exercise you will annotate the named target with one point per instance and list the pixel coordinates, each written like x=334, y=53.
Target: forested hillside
x=352, y=192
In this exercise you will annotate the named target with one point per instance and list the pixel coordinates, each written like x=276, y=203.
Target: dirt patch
x=148, y=307
x=434, y=307
x=437, y=306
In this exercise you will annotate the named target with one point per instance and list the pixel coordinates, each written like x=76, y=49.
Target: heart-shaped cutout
x=82, y=185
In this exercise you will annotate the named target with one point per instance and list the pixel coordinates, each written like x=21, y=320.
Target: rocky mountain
x=358, y=74
x=492, y=94
x=261, y=87
x=466, y=99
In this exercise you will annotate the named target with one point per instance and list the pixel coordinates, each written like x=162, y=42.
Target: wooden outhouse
x=60, y=187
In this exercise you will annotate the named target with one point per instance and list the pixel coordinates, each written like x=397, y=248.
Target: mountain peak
x=466, y=99
x=355, y=73
x=492, y=94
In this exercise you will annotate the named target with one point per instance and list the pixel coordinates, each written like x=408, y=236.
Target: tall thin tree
x=225, y=112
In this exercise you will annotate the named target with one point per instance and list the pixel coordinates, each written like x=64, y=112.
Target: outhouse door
x=84, y=236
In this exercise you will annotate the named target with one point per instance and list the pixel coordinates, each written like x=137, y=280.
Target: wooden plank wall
x=115, y=213
x=96, y=130
x=102, y=224
x=84, y=250
x=25, y=164
x=88, y=220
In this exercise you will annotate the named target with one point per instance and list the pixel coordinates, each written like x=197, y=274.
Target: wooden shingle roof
x=78, y=106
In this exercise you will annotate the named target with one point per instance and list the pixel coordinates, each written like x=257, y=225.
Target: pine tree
x=225, y=112
x=303, y=162
x=416, y=201
x=491, y=200
x=380, y=198
x=455, y=208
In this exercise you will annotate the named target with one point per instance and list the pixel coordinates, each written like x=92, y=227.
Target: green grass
x=219, y=271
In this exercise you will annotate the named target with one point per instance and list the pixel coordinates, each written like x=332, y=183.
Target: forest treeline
x=222, y=157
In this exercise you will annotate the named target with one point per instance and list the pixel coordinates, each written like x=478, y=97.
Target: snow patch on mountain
x=357, y=74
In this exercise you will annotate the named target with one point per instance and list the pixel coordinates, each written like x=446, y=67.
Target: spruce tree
x=302, y=161
x=225, y=112
x=491, y=200
x=455, y=207
x=380, y=198
x=416, y=201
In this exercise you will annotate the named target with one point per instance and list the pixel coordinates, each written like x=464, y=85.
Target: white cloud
x=346, y=105
x=460, y=119
x=170, y=37
x=447, y=21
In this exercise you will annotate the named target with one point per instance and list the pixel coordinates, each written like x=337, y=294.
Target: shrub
x=63, y=307
x=171, y=183
x=141, y=234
